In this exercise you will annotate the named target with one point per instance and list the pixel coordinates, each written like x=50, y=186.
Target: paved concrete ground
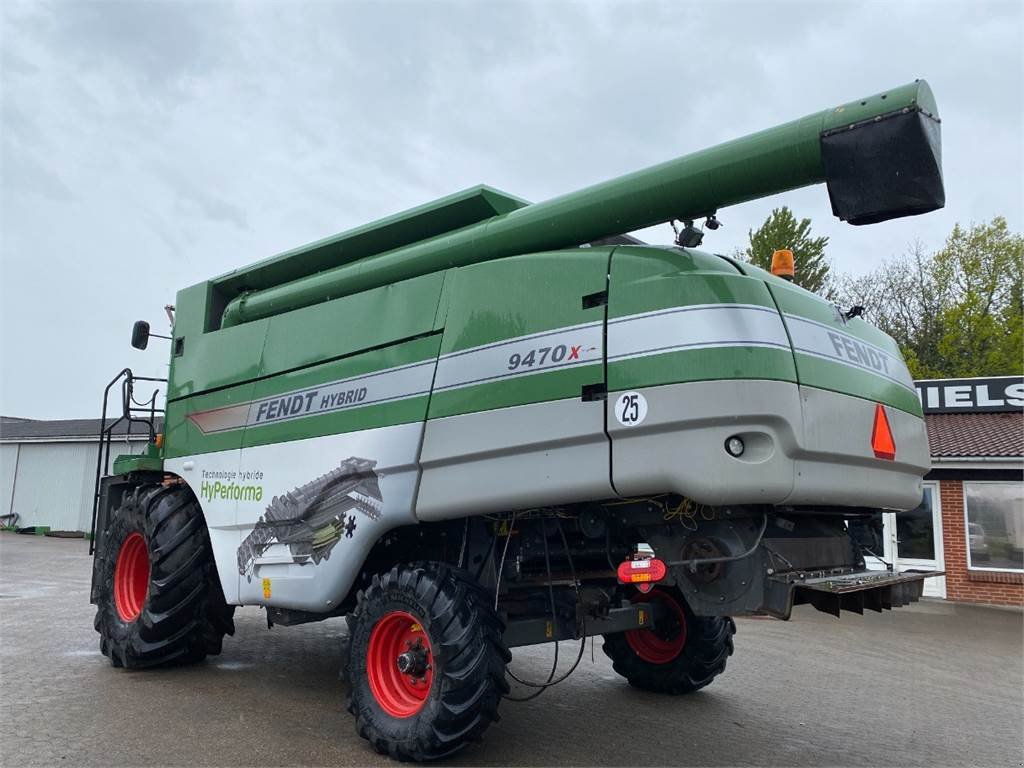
x=933, y=684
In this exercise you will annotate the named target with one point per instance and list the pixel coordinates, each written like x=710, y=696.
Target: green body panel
x=338, y=328
x=302, y=337
x=210, y=360
x=645, y=278
x=765, y=163
x=495, y=301
x=145, y=462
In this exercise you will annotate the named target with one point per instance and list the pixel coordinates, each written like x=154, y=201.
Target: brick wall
x=961, y=583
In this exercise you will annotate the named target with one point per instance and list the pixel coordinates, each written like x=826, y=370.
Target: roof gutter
x=978, y=462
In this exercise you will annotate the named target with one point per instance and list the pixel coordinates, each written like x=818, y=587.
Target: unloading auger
x=879, y=157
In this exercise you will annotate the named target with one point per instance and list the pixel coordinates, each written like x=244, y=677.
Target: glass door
x=909, y=541
x=917, y=540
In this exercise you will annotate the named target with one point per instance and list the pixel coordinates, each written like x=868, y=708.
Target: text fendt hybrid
x=482, y=424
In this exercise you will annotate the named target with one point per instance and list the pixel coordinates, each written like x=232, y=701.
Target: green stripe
x=847, y=380
x=536, y=388
x=701, y=365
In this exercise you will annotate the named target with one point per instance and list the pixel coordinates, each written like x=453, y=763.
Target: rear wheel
x=682, y=653
x=426, y=662
x=160, y=599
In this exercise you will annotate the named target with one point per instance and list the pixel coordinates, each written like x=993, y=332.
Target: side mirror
x=140, y=334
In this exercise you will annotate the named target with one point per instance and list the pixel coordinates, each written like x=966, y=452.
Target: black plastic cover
x=884, y=169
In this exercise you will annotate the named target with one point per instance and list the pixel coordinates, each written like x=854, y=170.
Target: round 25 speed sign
x=630, y=409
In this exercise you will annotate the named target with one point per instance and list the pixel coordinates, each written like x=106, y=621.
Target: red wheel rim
x=666, y=640
x=131, y=577
x=399, y=664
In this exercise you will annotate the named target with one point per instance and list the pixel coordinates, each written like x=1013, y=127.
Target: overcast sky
x=148, y=146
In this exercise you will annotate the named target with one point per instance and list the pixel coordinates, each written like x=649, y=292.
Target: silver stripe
x=385, y=386
x=550, y=350
x=819, y=340
x=694, y=347
x=701, y=326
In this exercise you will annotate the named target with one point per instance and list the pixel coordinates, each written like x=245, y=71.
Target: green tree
x=782, y=230
x=983, y=327
x=954, y=313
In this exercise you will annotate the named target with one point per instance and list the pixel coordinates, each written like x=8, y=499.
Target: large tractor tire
x=160, y=600
x=682, y=653
x=426, y=662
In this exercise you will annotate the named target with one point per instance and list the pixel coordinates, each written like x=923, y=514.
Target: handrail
x=129, y=408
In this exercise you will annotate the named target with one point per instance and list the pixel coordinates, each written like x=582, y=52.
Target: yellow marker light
x=782, y=264
x=159, y=440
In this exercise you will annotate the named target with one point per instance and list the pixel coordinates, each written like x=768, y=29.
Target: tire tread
x=709, y=644
x=470, y=659
x=184, y=617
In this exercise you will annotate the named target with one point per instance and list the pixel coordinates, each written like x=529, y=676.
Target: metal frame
x=538, y=630
x=130, y=410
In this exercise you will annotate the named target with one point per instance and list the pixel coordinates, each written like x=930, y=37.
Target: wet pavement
x=932, y=684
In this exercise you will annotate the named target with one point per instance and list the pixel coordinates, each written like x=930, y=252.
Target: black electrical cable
x=465, y=538
x=608, y=546
x=554, y=620
x=489, y=557
x=583, y=639
x=501, y=566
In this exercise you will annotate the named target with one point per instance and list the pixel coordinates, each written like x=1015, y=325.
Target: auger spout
x=880, y=158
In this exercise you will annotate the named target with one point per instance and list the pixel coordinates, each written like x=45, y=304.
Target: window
x=995, y=526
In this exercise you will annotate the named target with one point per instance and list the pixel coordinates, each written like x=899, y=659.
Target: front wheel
x=681, y=653
x=160, y=599
x=426, y=662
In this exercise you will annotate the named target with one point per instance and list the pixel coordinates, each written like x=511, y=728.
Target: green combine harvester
x=483, y=423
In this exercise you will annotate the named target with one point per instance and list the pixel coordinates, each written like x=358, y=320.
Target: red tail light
x=642, y=573
x=881, y=436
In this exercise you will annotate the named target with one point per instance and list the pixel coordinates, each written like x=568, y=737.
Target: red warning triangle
x=881, y=436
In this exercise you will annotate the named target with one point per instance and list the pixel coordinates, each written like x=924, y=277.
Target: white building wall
x=54, y=482
x=8, y=465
